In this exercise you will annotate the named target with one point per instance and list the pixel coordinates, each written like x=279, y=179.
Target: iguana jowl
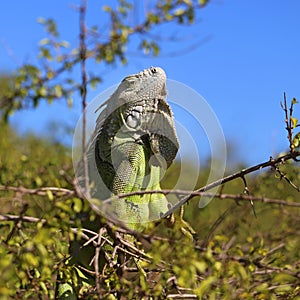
x=134, y=142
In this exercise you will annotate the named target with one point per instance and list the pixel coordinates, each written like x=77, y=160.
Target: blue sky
x=248, y=56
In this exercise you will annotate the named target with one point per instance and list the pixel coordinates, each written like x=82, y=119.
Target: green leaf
x=94, y=81
x=42, y=92
x=107, y=8
x=205, y=286
x=202, y=2
x=294, y=122
x=41, y=20
x=50, y=74
x=155, y=48
x=179, y=12
x=64, y=44
x=77, y=205
x=50, y=195
x=58, y=90
x=44, y=41
x=70, y=102
x=38, y=181
x=296, y=140
x=30, y=259
x=284, y=278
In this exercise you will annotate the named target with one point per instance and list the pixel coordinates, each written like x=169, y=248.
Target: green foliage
x=30, y=251
x=242, y=257
x=294, y=124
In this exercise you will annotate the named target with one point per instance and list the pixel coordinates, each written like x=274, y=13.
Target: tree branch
x=43, y=191
x=61, y=192
x=270, y=163
x=82, y=37
x=203, y=191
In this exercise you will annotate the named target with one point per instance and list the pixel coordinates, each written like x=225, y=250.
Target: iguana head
x=146, y=85
x=138, y=108
x=143, y=86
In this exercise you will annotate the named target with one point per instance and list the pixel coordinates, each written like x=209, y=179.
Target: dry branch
x=61, y=192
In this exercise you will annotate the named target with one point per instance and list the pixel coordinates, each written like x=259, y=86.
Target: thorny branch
x=272, y=162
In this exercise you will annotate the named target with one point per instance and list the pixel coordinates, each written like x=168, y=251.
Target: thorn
x=253, y=208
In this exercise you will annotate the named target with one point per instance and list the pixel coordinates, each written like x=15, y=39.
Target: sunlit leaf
x=296, y=140
x=294, y=122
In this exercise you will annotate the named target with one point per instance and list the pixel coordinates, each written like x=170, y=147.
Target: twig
x=203, y=191
x=96, y=262
x=182, y=296
x=241, y=174
x=39, y=191
x=216, y=224
x=255, y=198
x=83, y=57
x=140, y=254
x=282, y=175
x=22, y=218
x=236, y=197
x=17, y=223
x=289, y=121
x=247, y=192
x=273, y=250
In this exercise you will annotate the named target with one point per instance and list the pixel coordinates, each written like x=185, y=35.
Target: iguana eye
x=129, y=82
x=153, y=70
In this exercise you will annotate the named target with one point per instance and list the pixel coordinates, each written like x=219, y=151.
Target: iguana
x=134, y=142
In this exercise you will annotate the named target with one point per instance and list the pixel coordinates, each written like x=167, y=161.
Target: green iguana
x=134, y=142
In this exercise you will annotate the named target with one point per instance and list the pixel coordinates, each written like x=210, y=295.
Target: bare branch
x=202, y=191
x=282, y=175
x=44, y=191
x=247, y=192
x=21, y=218
x=83, y=57
x=289, y=121
x=96, y=261
x=256, y=199
x=270, y=163
x=182, y=296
